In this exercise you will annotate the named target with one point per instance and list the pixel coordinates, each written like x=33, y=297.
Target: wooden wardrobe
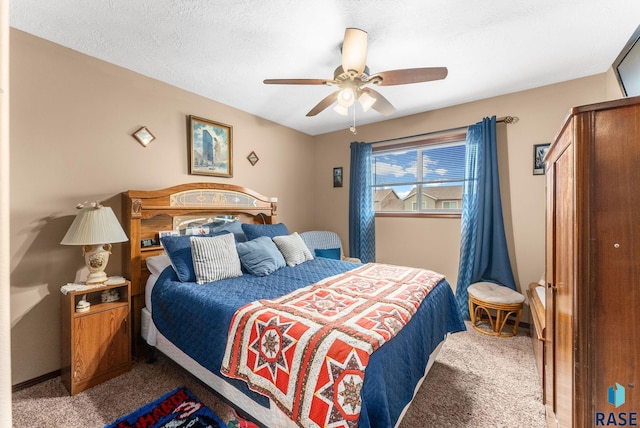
x=592, y=337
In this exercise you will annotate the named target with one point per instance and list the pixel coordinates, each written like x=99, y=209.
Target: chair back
x=321, y=240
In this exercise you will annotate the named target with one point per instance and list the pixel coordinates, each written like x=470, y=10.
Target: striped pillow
x=215, y=258
x=293, y=248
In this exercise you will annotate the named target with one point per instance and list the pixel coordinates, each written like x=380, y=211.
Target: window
x=428, y=174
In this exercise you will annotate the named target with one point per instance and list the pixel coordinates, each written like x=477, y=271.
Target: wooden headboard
x=147, y=212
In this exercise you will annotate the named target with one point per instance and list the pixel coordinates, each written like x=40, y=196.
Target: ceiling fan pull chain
x=353, y=127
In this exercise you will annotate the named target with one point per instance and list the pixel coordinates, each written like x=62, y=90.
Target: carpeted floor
x=480, y=381
x=477, y=381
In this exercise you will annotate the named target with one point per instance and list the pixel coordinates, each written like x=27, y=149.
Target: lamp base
x=96, y=258
x=96, y=278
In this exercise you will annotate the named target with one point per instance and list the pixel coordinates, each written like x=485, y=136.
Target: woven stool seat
x=497, y=303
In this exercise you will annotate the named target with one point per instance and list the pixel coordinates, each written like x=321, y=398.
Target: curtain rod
x=505, y=119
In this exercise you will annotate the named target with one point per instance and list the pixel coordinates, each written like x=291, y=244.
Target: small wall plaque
x=253, y=158
x=144, y=136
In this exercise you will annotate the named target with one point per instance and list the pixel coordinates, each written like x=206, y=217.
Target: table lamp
x=95, y=228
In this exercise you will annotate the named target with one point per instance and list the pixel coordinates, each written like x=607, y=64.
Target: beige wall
x=71, y=121
x=72, y=117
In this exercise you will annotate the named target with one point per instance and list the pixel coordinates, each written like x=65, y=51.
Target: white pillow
x=293, y=248
x=157, y=264
x=215, y=258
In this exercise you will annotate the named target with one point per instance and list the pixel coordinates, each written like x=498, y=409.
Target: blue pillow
x=178, y=248
x=253, y=231
x=234, y=227
x=260, y=256
x=329, y=253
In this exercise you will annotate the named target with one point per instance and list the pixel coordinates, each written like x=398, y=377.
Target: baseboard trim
x=28, y=383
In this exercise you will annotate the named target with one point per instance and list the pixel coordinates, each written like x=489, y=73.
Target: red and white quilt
x=308, y=350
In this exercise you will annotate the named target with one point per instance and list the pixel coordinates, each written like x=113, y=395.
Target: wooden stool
x=498, y=303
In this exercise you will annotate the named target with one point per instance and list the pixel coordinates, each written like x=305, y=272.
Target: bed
x=190, y=323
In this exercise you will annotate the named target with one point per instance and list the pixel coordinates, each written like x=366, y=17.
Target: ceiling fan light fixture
x=354, y=50
x=346, y=97
x=352, y=79
x=366, y=101
x=342, y=110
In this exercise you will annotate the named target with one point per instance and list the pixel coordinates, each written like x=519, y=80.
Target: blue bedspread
x=196, y=319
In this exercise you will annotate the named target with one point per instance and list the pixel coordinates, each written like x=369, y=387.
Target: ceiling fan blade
x=295, y=81
x=326, y=102
x=411, y=75
x=354, y=50
x=382, y=105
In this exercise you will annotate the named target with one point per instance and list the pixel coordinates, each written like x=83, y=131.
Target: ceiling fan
x=353, y=80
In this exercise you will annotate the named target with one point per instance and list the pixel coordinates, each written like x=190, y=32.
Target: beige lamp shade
x=94, y=224
x=95, y=228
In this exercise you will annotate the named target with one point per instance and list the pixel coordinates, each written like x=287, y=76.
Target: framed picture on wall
x=337, y=177
x=210, y=148
x=539, y=152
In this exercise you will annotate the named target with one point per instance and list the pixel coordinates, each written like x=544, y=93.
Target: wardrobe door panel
x=616, y=253
x=563, y=283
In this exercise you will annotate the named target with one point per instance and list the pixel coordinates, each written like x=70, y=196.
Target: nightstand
x=96, y=344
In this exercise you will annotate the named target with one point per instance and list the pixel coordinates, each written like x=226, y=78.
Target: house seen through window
x=422, y=177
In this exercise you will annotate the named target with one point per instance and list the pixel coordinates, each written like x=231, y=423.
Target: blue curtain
x=362, y=239
x=483, y=247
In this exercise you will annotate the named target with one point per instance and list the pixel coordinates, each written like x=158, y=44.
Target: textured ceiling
x=223, y=50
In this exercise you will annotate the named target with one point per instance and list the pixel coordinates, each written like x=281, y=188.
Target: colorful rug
x=179, y=408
